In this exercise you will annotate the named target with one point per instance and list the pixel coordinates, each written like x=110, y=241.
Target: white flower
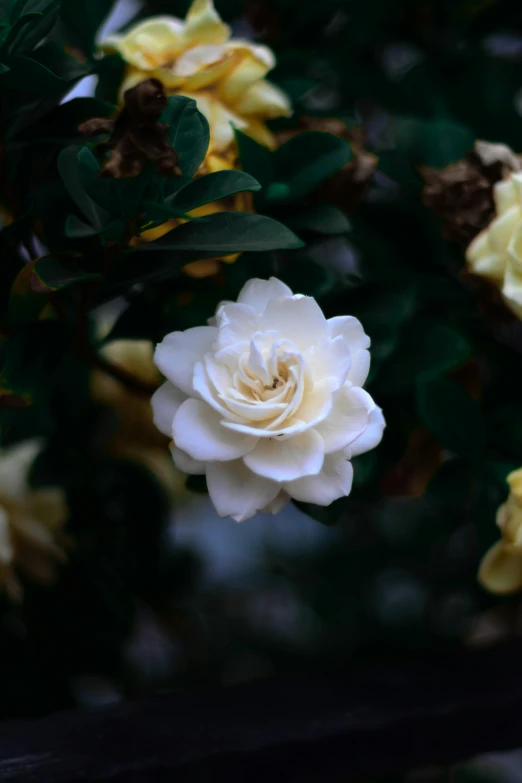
x=268, y=401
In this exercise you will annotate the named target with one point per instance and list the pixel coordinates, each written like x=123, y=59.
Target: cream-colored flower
x=268, y=401
x=30, y=522
x=501, y=568
x=135, y=436
x=196, y=58
x=496, y=253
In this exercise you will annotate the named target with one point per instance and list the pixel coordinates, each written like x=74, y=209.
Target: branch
x=382, y=719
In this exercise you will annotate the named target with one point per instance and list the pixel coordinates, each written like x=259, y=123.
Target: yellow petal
x=257, y=130
x=203, y=24
x=501, y=571
x=220, y=120
x=204, y=268
x=265, y=100
x=505, y=195
x=483, y=261
x=514, y=479
x=48, y=506
x=199, y=67
x=251, y=63
x=515, y=247
x=152, y=43
x=502, y=228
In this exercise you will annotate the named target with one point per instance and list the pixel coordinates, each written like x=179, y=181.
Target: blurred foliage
x=397, y=573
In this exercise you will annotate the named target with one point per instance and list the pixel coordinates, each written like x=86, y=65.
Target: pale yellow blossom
x=496, y=253
x=197, y=58
x=501, y=568
x=31, y=521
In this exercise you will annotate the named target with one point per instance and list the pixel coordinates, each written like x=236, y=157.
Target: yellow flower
x=196, y=58
x=31, y=541
x=496, y=253
x=501, y=568
x=136, y=438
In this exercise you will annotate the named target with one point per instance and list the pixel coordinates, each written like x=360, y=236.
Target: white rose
x=268, y=401
x=496, y=253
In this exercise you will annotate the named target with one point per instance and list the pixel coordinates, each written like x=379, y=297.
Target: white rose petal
x=268, y=402
x=165, y=403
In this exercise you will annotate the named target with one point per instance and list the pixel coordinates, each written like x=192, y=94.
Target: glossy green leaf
x=228, y=232
x=29, y=75
x=69, y=168
x=83, y=20
x=255, y=159
x=212, y=187
x=306, y=160
x=321, y=218
x=55, y=275
x=188, y=133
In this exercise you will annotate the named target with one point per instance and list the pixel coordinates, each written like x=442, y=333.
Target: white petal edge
x=237, y=492
x=333, y=482
x=177, y=354
x=257, y=293
x=185, y=463
x=285, y=460
x=165, y=403
x=198, y=431
x=372, y=435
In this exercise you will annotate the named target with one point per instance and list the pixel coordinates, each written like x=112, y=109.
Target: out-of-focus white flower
x=268, y=402
x=30, y=522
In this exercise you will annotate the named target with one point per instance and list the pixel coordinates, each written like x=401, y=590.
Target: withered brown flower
x=136, y=135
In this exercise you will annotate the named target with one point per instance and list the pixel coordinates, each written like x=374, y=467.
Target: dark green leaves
x=212, y=187
x=188, y=134
x=83, y=20
x=305, y=161
x=452, y=416
x=69, y=168
x=295, y=169
x=227, y=232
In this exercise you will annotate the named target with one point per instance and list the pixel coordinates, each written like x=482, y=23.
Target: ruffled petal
x=165, y=403
x=185, y=463
x=257, y=293
x=251, y=63
x=347, y=421
x=203, y=24
x=372, y=435
x=198, y=431
x=177, y=354
x=265, y=100
x=299, y=319
x=333, y=482
x=237, y=492
x=150, y=44
x=351, y=329
x=501, y=570
x=285, y=460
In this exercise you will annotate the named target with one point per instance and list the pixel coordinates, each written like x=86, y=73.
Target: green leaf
x=188, y=134
x=452, y=416
x=307, y=159
x=53, y=275
x=4, y=69
x=83, y=20
x=16, y=33
x=69, y=168
x=159, y=213
x=228, y=232
x=428, y=350
x=212, y=187
x=30, y=75
x=255, y=159
x=321, y=218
